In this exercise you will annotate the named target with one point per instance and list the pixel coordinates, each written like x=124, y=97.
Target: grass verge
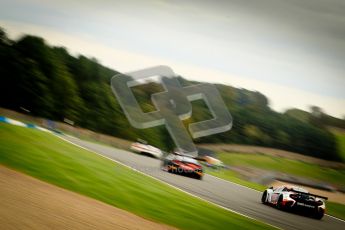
x=279, y=164
x=335, y=209
x=48, y=158
x=340, y=136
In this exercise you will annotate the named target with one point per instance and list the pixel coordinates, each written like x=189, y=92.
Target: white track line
x=172, y=185
x=336, y=218
x=227, y=181
x=228, y=209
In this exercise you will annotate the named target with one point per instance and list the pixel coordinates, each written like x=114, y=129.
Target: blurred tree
x=51, y=83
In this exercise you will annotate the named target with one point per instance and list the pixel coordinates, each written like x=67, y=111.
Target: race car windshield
x=188, y=160
x=299, y=189
x=191, y=162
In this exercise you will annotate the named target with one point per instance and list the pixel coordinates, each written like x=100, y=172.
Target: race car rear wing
x=309, y=194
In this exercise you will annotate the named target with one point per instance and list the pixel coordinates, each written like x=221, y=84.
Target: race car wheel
x=280, y=203
x=319, y=214
x=166, y=166
x=264, y=197
x=198, y=177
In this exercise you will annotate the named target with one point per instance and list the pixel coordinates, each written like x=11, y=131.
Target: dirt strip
x=28, y=203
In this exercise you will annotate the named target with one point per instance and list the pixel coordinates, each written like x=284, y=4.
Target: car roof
x=186, y=159
x=299, y=189
x=295, y=188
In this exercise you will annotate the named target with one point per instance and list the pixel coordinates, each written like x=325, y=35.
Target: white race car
x=295, y=199
x=146, y=149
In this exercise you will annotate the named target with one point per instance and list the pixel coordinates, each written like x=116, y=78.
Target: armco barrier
x=19, y=123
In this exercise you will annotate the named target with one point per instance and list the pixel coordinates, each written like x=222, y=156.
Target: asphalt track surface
x=229, y=195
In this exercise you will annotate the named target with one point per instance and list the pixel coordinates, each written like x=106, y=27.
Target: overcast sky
x=293, y=51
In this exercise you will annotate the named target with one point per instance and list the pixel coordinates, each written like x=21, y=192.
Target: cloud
x=281, y=97
x=292, y=51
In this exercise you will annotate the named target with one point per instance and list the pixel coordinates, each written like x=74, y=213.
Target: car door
x=275, y=194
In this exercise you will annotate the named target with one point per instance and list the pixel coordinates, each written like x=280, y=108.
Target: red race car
x=183, y=165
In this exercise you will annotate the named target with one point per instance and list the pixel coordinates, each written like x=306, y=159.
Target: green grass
x=279, y=164
x=340, y=136
x=48, y=158
x=335, y=209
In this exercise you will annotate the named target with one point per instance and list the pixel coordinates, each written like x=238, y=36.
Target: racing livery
x=144, y=148
x=295, y=198
x=183, y=165
x=212, y=162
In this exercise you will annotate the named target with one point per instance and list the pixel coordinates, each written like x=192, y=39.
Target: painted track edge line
x=227, y=181
x=166, y=183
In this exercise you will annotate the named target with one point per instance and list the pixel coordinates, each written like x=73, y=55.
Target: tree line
x=51, y=83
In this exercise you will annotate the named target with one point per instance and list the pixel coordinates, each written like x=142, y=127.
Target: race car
x=212, y=162
x=295, y=199
x=145, y=149
x=183, y=165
